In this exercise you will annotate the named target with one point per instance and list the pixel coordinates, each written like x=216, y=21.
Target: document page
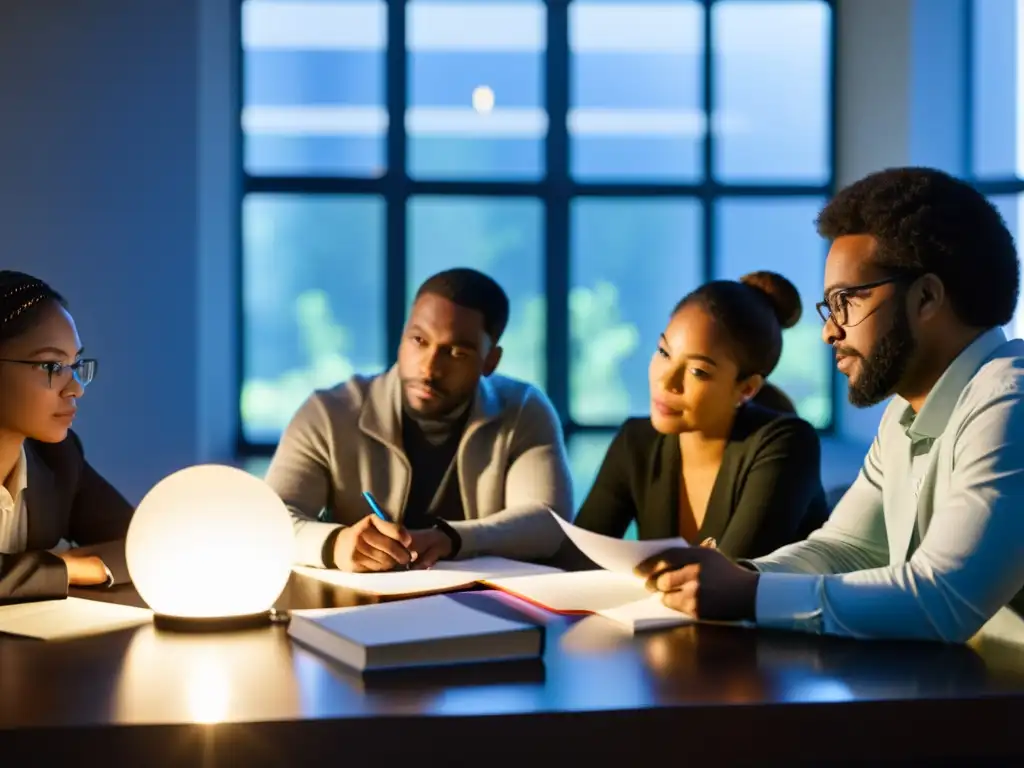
x=72, y=617
x=617, y=555
x=446, y=576
x=615, y=596
x=646, y=614
x=576, y=592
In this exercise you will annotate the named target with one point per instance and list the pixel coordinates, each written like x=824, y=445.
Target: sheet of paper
x=72, y=617
x=443, y=577
x=618, y=555
x=1005, y=626
x=576, y=592
x=649, y=613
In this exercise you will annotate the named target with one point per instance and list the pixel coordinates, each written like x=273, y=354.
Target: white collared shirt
x=928, y=543
x=13, y=513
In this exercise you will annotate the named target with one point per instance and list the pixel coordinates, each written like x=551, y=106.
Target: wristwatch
x=451, y=533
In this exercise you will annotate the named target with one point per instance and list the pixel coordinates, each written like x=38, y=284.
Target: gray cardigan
x=511, y=464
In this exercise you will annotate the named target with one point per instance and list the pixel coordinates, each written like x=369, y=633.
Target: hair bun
x=780, y=293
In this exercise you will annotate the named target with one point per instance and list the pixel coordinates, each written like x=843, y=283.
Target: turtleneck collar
x=437, y=430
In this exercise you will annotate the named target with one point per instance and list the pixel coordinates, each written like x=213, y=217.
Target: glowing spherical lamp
x=210, y=547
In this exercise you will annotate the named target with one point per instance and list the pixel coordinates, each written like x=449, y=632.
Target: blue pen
x=379, y=513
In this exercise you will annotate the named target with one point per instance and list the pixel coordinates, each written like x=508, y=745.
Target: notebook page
x=619, y=555
x=71, y=617
x=443, y=577
x=649, y=613
x=575, y=592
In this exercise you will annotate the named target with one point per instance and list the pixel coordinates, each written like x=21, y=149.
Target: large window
x=599, y=159
x=995, y=126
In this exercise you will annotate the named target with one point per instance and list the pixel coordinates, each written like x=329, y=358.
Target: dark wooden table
x=144, y=697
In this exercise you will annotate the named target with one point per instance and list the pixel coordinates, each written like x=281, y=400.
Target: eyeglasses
x=83, y=371
x=836, y=305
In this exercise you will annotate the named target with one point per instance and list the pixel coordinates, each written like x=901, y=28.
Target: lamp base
x=214, y=623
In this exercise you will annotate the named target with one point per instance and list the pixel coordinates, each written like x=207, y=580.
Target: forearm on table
x=523, y=532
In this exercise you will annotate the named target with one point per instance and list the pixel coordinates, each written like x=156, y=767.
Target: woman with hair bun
x=50, y=497
x=722, y=460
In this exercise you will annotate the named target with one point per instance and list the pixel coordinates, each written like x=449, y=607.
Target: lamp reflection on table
x=218, y=678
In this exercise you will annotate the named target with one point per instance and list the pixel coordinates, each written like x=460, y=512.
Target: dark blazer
x=66, y=499
x=767, y=493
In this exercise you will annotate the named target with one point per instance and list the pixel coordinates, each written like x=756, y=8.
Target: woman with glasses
x=722, y=460
x=50, y=498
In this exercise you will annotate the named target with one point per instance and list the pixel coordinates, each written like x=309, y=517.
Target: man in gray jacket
x=464, y=462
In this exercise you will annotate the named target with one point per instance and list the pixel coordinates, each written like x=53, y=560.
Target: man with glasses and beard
x=460, y=460
x=928, y=543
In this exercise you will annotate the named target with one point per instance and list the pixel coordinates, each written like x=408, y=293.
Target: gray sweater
x=511, y=466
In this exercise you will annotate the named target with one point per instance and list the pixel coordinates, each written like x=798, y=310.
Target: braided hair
x=21, y=297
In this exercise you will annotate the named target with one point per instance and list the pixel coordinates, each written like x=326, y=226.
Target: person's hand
x=430, y=545
x=372, y=544
x=703, y=583
x=84, y=570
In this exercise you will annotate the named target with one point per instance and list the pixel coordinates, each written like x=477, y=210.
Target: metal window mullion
x=395, y=185
x=556, y=197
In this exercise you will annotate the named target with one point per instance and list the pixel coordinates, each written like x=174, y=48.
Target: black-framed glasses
x=83, y=371
x=836, y=305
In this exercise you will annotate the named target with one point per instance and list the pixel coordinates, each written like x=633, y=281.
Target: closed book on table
x=429, y=631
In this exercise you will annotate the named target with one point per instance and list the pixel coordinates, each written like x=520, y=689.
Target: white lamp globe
x=210, y=547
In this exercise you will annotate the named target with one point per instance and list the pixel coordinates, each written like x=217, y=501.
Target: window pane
x=1012, y=207
x=998, y=77
x=314, y=87
x=476, y=95
x=631, y=261
x=778, y=234
x=771, y=91
x=313, y=299
x=501, y=237
x=636, y=101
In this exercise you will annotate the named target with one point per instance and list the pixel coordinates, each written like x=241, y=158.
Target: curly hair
x=926, y=221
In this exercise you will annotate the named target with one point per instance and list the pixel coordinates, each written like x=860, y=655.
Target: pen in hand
x=375, y=507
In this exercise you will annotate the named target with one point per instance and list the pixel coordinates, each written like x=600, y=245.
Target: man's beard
x=442, y=407
x=884, y=367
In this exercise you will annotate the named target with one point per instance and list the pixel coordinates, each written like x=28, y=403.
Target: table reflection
x=205, y=678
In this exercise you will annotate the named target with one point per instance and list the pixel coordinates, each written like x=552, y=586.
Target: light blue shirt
x=928, y=543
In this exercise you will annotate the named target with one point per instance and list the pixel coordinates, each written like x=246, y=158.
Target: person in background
x=928, y=543
x=711, y=464
x=463, y=461
x=50, y=496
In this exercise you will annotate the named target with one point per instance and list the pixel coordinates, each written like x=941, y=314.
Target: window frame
x=556, y=190
x=987, y=185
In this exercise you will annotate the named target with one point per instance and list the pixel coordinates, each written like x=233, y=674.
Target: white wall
x=117, y=180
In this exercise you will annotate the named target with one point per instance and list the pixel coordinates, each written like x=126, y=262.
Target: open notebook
x=446, y=576
x=613, y=592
